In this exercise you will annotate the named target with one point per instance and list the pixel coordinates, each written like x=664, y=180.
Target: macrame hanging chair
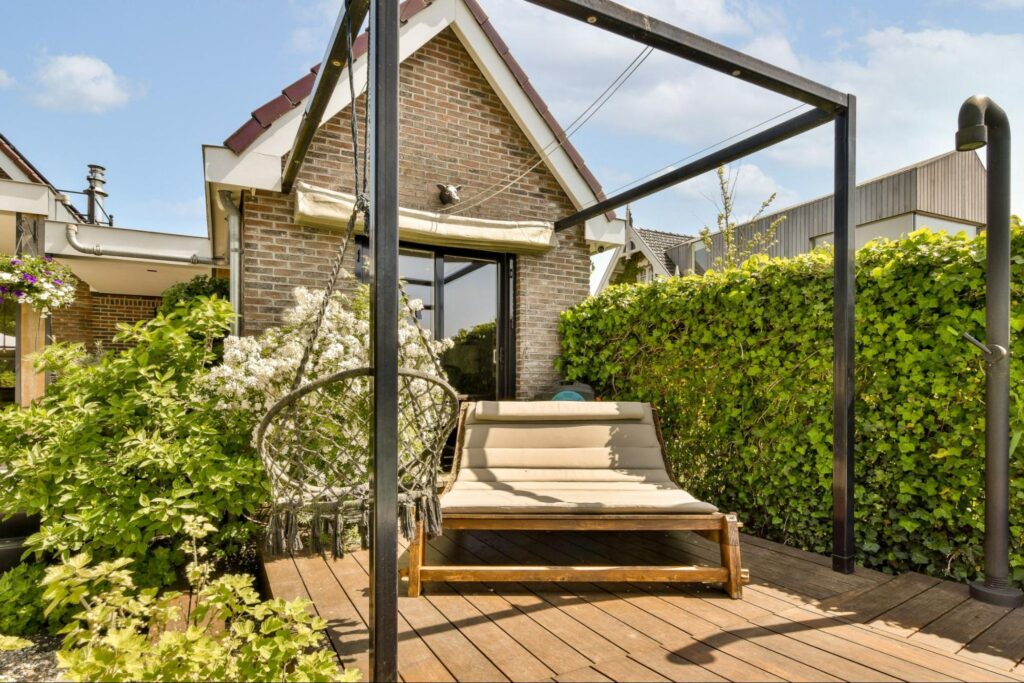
x=315, y=441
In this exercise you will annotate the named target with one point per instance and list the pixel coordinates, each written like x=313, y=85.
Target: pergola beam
x=766, y=138
x=334, y=62
x=645, y=29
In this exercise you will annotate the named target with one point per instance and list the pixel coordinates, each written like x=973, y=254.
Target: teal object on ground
x=567, y=396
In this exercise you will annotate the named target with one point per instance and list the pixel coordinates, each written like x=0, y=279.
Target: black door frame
x=505, y=334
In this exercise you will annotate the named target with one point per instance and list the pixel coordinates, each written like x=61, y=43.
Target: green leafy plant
x=21, y=600
x=7, y=378
x=739, y=364
x=121, y=449
x=186, y=292
x=122, y=633
x=13, y=643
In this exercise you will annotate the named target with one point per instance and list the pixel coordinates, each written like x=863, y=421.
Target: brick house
x=37, y=218
x=468, y=117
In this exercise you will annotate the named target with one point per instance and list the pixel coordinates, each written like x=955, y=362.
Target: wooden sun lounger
x=571, y=466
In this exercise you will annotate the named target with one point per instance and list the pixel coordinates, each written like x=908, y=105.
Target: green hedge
x=739, y=363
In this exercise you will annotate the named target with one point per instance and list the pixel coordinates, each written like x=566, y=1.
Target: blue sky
x=140, y=86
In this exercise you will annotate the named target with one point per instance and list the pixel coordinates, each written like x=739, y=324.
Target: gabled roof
x=22, y=163
x=660, y=242
x=293, y=95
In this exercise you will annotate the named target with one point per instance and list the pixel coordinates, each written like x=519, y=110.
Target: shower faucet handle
x=993, y=354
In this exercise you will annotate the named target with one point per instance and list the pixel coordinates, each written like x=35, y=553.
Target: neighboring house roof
x=30, y=172
x=293, y=95
x=660, y=242
x=22, y=163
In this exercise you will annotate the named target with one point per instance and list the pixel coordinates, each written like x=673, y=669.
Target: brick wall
x=93, y=318
x=454, y=129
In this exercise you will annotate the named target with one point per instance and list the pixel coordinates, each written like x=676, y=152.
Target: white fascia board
x=609, y=269
x=251, y=170
x=12, y=170
x=24, y=197
x=56, y=243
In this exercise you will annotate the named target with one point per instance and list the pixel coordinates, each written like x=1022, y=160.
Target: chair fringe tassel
x=326, y=525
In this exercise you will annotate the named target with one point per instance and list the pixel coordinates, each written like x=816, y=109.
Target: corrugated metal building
x=946, y=192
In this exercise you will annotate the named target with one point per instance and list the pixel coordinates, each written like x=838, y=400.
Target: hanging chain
x=362, y=206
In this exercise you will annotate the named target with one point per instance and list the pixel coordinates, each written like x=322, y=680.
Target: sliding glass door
x=467, y=298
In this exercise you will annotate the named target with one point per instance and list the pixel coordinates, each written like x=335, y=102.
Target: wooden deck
x=798, y=620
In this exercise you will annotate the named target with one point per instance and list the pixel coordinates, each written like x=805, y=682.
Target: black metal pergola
x=829, y=106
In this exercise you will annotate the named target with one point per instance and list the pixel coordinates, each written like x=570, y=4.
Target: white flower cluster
x=257, y=371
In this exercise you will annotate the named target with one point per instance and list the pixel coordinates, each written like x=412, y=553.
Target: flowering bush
x=257, y=371
x=38, y=281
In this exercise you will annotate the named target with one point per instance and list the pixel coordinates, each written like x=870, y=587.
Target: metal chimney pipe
x=983, y=123
x=97, y=180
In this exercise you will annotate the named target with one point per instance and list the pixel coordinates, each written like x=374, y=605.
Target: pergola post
x=383, y=102
x=843, y=324
x=29, y=325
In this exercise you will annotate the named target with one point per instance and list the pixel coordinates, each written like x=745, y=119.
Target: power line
x=588, y=113
x=710, y=147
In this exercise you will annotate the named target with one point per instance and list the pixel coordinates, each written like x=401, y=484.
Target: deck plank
x=865, y=606
x=552, y=651
x=345, y=627
x=416, y=662
x=911, y=616
x=1002, y=645
x=457, y=652
x=798, y=621
x=627, y=669
x=958, y=627
x=585, y=674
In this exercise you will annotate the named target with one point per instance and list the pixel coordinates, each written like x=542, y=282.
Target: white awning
x=318, y=207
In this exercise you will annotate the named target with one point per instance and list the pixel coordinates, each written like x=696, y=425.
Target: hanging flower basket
x=37, y=281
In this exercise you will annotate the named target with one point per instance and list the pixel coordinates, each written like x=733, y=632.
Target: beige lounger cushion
x=561, y=456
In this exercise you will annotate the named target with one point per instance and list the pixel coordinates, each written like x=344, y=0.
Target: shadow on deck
x=798, y=621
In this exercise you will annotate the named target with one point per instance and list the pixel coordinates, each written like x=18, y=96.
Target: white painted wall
x=900, y=226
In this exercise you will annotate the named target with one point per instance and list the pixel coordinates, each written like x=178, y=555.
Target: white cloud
x=910, y=85
x=80, y=83
x=315, y=19
x=6, y=79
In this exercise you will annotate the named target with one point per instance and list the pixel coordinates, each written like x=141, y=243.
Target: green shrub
x=121, y=449
x=21, y=600
x=739, y=364
x=186, y=292
x=121, y=633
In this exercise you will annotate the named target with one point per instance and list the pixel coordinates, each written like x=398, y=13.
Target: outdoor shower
x=983, y=123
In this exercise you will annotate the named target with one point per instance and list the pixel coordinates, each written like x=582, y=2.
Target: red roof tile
x=292, y=96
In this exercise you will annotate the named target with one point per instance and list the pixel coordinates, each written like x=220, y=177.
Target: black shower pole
x=983, y=123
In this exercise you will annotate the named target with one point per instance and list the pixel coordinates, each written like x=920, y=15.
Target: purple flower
x=48, y=259
x=15, y=262
x=18, y=293
x=2, y=289
x=57, y=281
x=29, y=278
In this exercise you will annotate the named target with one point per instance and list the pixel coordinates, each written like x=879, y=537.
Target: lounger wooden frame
x=719, y=527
